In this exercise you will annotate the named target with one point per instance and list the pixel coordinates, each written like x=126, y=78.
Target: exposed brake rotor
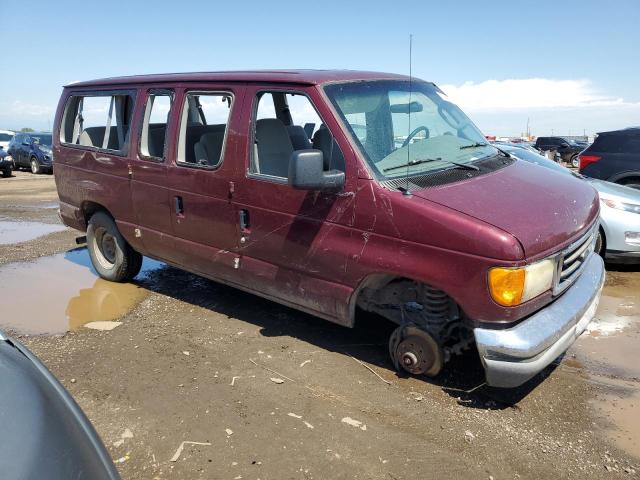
x=415, y=351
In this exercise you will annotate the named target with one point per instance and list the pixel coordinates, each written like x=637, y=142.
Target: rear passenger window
x=154, y=125
x=285, y=122
x=98, y=121
x=203, y=128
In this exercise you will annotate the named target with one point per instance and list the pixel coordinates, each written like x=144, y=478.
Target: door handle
x=244, y=220
x=179, y=205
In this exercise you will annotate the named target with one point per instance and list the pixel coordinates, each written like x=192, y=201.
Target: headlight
x=627, y=207
x=513, y=286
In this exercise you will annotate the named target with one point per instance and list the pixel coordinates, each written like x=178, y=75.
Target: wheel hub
x=108, y=247
x=415, y=351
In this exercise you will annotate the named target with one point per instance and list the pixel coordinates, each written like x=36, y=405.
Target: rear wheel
x=35, y=166
x=111, y=255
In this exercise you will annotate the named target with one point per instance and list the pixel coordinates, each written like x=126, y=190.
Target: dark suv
x=568, y=149
x=33, y=151
x=614, y=156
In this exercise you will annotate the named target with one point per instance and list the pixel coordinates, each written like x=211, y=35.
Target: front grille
x=571, y=261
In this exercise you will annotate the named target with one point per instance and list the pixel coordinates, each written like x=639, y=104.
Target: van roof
x=308, y=77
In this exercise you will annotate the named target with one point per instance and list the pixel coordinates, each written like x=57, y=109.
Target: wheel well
x=89, y=208
x=630, y=179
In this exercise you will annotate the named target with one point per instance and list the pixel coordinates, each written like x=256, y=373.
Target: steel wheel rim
x=105, y=248
x=34, y=166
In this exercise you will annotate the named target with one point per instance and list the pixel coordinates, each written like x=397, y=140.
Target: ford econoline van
x=329, y=191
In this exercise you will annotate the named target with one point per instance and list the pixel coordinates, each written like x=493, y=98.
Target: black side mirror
x=24, y=142
x=306, y=172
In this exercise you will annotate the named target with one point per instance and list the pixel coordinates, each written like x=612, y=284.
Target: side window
x=154, y=125
x=285, y=122
x=98, y=121
x=203, y=128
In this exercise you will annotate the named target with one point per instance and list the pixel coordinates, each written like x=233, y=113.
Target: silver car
x=619, y=239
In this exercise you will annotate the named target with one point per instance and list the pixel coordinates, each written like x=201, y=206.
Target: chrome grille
x=571, y=260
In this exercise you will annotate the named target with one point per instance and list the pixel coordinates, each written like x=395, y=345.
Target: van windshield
x=405, y=127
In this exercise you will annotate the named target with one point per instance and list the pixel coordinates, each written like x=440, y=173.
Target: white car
x=619, y=239
x=5, y=138
x=619, y=221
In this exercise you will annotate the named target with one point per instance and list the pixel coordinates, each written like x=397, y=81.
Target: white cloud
x=528, y=93
x=562, y=107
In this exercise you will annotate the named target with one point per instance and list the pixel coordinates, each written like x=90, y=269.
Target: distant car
x=619, y=236
x=5, y=138
x=614, y=156
x=44, y=432
x=567, y=149
x=6, y=162
x=33, y=151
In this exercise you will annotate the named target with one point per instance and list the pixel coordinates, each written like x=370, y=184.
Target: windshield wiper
x=474, y=145
x=419, y=161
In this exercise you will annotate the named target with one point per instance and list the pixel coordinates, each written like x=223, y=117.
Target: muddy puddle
x=607, y=355
x=62, y=292
x=16, y=232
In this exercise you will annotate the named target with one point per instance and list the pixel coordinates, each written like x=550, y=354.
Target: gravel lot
x=196, y=361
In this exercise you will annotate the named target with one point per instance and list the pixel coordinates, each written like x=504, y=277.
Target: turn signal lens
x=506, y=285
x=513, y=286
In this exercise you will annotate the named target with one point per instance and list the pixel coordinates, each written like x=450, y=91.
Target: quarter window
x=98, y=121
x=154, y=126
x=203, y=128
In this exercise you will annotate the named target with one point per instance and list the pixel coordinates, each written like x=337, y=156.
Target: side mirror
x=306, y=172
x=24, y=142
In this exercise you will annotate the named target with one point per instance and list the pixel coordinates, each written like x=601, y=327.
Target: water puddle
x=607, y=355
x=618, y=405
x=62, y=292
x=16, y=232
x=609, y=346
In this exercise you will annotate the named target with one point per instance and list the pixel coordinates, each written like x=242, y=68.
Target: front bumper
x=512, y=356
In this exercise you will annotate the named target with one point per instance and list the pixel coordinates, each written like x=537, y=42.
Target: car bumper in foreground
x=512, y=356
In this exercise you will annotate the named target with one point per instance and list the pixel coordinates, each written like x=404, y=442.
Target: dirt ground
x=196, y=361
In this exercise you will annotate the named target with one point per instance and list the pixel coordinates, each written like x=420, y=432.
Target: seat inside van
x=277, y=135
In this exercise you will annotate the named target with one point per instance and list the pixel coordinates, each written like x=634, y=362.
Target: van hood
x=543, y=209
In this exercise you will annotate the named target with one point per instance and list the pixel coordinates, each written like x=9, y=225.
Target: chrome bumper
x=512, y=356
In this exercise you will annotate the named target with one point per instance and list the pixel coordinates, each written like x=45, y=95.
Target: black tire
x=601, y=245
x=6, y=173
x=111, y=255
x=36, y=168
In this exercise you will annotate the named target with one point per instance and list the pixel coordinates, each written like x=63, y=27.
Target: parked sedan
x=33, y=151
x=619, y=238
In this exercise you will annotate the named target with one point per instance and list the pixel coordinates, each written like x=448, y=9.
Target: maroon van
x=331, y=190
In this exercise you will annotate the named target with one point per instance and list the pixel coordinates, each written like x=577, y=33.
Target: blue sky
x=567, y=65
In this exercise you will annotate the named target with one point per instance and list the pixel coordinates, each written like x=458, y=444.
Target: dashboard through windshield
x=404, y=127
